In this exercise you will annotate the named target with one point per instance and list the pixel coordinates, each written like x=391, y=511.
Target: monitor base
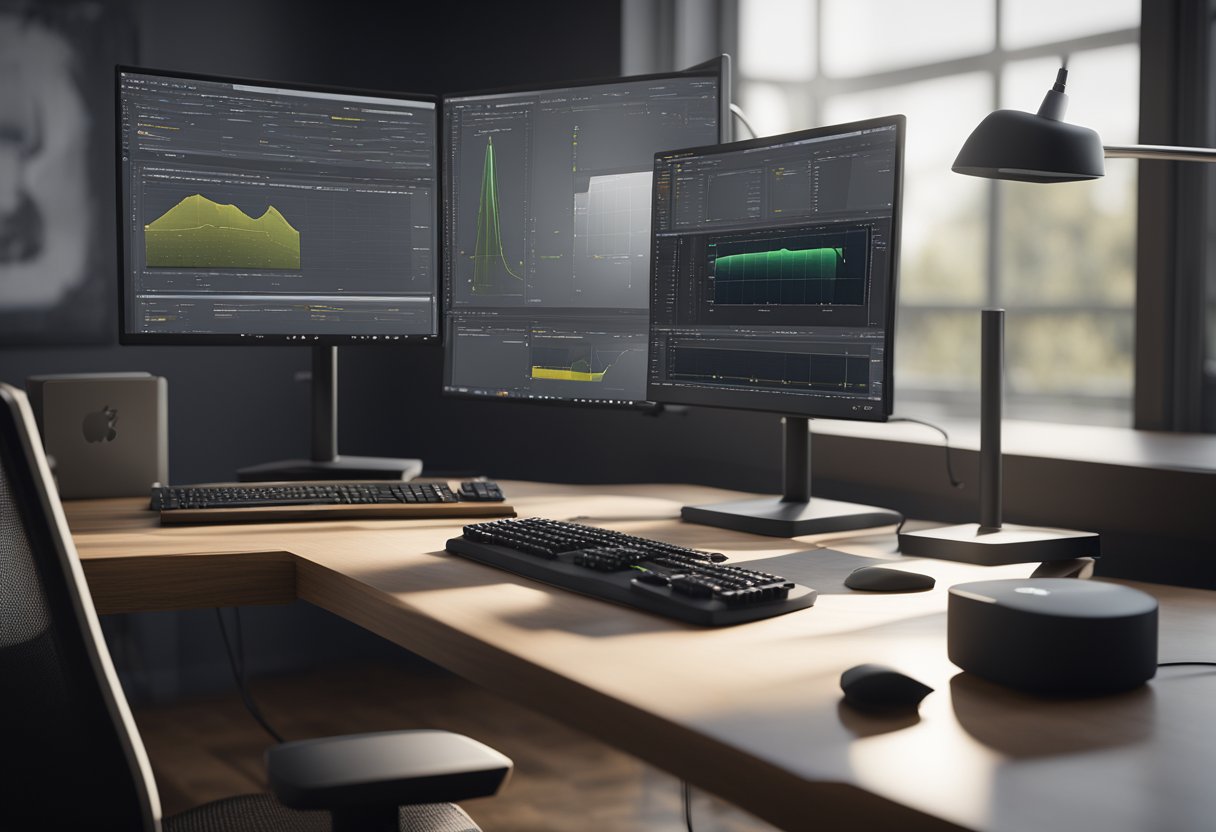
x=1007, y=544
x=776, y=517
x=339, y=468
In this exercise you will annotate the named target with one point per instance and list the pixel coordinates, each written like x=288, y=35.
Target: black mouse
x=886, y=579
x=876, y=687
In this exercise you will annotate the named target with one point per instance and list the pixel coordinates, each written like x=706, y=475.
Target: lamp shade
x=1029, y=147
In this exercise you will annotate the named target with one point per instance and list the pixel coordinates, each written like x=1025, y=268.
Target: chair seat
x=262, y=813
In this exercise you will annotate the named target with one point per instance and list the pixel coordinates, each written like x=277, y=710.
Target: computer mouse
x=886, y=579
x=876, y=687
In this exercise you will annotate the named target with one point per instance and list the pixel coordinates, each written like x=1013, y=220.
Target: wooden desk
x=751, y=713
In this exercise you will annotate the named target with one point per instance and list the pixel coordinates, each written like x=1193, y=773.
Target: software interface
x=773, y=281
x=255, y=212
x=547, y=235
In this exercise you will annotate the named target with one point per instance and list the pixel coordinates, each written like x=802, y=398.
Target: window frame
x=1171, y=263
x=1171, y=388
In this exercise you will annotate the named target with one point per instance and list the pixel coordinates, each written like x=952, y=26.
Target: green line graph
x=490, y=267
x=783, y=276
x=200, y=233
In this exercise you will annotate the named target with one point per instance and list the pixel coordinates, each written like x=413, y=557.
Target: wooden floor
x=205, y=749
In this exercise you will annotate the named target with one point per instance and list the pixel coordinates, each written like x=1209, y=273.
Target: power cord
x=954, y=482
x=238, y=671
x=737, y=111
x=1182, y=664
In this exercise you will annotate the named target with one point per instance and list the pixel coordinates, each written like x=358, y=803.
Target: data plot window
x=548, y=211
x=253, y=211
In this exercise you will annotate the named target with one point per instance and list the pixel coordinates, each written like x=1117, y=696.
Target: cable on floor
x=238, y=672
x=686, y=790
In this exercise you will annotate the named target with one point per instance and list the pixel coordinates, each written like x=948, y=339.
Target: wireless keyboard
x=323, y=501
x=686, y=584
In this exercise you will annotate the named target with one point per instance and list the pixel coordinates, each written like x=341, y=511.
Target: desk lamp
x=1040, y=147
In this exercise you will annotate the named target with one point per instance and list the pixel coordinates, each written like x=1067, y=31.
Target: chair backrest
x=71, y=753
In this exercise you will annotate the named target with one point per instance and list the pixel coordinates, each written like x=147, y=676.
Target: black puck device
x=1054, y=636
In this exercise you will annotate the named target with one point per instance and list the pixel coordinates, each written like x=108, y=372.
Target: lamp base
x=970, y=543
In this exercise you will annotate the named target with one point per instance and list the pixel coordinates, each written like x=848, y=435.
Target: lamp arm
x=1158, y=151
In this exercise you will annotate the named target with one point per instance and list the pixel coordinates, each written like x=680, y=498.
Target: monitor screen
x=547, y=231
x=773, y=283
x=254, y=213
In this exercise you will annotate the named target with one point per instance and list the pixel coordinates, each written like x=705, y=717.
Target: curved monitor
x=774, y=272
x=273, y=213
x=547, y=230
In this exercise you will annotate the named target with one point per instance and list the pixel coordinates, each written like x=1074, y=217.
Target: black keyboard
x=286, y=494
x=324, y=501
x=698, y=587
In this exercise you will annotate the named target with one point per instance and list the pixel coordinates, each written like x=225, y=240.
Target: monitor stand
x=795, y=513
x=326, y=463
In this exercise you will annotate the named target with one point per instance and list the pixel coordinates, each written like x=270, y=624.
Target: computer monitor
x=547, y=230
x=773, y=288
x=259, y=213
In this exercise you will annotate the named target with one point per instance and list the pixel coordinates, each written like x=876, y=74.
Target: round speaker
x=1053, y=636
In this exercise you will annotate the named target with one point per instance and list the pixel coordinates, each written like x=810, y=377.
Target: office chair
x=72, y=757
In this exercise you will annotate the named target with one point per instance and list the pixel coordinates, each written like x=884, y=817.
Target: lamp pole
x=1159, y=151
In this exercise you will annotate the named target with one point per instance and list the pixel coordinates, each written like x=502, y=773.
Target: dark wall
x=236, y=406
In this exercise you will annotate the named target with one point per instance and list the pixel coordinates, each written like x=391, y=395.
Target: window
x=1209, y=247
x=1060, y=258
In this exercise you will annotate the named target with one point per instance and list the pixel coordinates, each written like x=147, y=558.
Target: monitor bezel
x=718, y=67
x=761, y=402
x=128, y=338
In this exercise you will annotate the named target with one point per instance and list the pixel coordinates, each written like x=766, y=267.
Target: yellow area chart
x=569, y=368
x=200, y=233
x=566, y=375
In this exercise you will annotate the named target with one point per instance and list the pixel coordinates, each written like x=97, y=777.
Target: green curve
x=488, y=253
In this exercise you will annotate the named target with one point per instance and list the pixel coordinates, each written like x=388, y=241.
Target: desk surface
x=752, y=712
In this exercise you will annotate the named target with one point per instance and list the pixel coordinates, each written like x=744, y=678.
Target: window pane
x=1064, y=255
x=1210, y=324
x=1031, y=22
x=945, y=224
x=1082, y=358
x=766, y=108
x=936, y=352
x=1069, y=242
x=777, y=39
x=1209, y=249
x=1103, y=90
x=1075, y=242
x=865, y=36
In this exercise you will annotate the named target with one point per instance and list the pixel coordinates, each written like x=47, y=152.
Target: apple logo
x=99, y=425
